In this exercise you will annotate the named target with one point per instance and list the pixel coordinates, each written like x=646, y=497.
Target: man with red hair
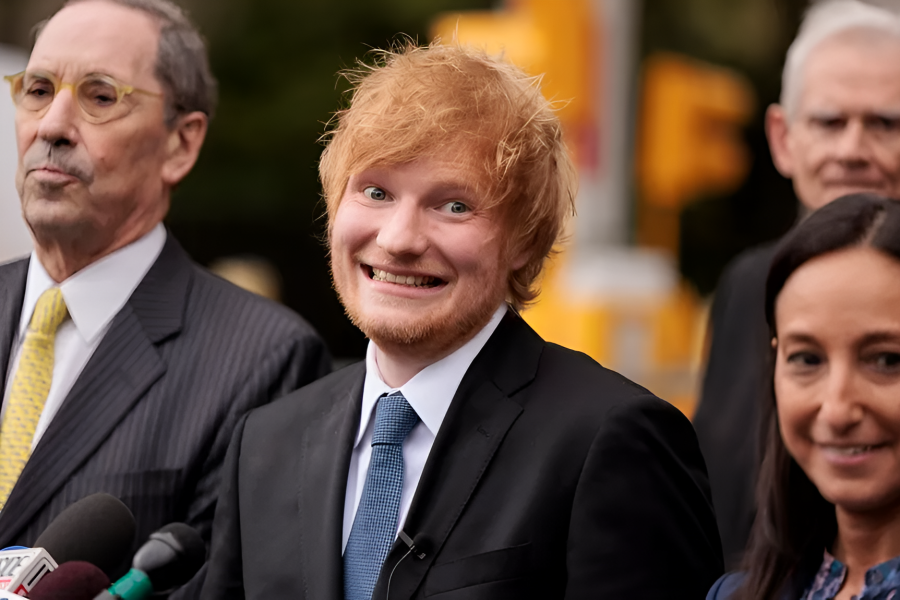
x=465, y=457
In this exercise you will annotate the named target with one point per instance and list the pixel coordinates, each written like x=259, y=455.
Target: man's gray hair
x=823, y=20
x=182, y=64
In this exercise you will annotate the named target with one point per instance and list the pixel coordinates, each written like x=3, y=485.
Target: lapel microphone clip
x=416, y=551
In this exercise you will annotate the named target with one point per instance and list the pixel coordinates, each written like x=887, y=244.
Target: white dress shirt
x=429, y=393
x=93, y=295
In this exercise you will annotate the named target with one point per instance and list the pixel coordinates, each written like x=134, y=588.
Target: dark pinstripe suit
x=150, y=417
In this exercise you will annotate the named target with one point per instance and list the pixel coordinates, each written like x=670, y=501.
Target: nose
x=852, y=146
x=58, y=125
x=840, y=408
x=403, y=231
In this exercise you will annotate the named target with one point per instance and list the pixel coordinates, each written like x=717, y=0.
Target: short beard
x=430, y=338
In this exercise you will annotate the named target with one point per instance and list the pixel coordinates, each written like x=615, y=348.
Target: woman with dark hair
x=828, y=521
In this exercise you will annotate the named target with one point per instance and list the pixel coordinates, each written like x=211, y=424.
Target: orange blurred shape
x=543, y=37
x=690, y=140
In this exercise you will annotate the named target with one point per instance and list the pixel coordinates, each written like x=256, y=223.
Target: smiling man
x=123, y=365
x=465, y=457
x=836, y=131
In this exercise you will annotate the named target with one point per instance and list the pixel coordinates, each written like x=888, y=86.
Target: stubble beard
x=429, y=335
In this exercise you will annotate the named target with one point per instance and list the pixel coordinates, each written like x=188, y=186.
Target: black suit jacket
x=150, y=417
x=551, y=477
x=734, y=388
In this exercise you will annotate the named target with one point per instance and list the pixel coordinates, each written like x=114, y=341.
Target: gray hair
x=824, y=20
x=182, y=64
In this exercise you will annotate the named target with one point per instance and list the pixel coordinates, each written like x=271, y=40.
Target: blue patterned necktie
x=375, y=526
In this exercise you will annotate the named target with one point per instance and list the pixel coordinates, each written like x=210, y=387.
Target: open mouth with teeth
x=421, y=281
x=853, y=450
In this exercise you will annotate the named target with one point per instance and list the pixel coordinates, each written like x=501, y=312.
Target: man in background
x=507, y=466
x=123, y=365
x=835, y=131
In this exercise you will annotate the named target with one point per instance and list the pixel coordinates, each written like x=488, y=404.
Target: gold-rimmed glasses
x=100, y=97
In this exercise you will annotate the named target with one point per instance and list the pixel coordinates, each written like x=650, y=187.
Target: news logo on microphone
x=22, y=568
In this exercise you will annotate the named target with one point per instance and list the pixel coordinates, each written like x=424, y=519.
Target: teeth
x=422, y=281
x=851, y=450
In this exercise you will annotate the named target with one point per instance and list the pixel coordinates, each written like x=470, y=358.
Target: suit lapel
x=12, y=294
x=479, y=417
x=121, y=370
x=327, y=447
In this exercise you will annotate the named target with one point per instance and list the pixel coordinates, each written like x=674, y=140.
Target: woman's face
x=837, y=376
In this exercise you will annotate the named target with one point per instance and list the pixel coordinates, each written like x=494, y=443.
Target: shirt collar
x=432, y=389
x=95, y=294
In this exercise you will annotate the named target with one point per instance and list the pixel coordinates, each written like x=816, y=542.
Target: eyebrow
x=891, y=114
x=799, y=338
x=880, y=336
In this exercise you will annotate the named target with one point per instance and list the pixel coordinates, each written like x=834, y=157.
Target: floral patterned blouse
x=882, y=581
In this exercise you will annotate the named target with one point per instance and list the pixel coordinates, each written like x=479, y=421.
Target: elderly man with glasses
x=123, y=365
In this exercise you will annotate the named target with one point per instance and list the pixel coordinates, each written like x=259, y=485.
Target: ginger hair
x=417, y=101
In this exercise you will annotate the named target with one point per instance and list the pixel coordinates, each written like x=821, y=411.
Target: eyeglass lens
x=98, y=96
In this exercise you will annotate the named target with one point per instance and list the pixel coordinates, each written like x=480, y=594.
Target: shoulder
x=214, y=298
x=572, y=377
x=726, y=586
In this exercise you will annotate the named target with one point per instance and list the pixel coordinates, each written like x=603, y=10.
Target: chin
x=860, y=499
x=429, y=337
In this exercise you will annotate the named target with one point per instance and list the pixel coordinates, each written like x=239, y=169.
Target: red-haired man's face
x=419, y=263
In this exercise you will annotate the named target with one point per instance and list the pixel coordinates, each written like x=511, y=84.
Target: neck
x=865, y=540
x=396, y=368
x=63, y=256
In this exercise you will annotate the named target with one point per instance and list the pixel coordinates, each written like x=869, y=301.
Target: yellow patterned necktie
x=29, y=390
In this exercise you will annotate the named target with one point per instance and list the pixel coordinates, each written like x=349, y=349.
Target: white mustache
x=43, y=154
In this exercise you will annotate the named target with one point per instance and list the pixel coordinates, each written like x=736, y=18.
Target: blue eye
x=456, y=207
x=375, y=193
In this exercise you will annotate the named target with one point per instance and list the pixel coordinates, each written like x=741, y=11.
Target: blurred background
x=663, y=109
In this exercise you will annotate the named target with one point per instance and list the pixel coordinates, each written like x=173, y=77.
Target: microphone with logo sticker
x=98, y=529
x=169, y=559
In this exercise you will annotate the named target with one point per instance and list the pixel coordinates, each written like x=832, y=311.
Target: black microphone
x=98, y=529
x=169, y=559
x=75, y=580
x=418, y=547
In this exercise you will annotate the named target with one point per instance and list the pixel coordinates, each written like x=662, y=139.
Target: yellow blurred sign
x=690, y=140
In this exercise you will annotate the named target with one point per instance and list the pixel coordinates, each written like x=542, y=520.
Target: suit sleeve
x=642, y=520
x=224, y=570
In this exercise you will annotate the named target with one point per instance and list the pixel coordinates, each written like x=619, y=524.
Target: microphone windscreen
x=98, y=529
x=172, y=556
x=76, y=580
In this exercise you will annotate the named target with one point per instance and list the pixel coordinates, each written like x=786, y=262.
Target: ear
x=777, y=131
x=183, y=146
x=774, y=343
x=519, y=259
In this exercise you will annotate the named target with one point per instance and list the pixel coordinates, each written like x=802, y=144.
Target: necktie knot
x=394, y=419
x=49, y=313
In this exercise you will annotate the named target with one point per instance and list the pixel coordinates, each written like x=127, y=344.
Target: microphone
x=418, y=547
x=21, y=569
x=98, y=529
x=169, y=559
x=75, y=580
